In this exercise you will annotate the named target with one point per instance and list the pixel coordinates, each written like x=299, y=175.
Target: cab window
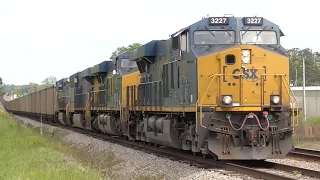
x=214, y=37
x=126, y=63
x=126, y=66
x=258, y=37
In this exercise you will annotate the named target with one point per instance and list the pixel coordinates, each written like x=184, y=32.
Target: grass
x=313, y=121
x=25, y=154
x=307, y=144
x=307, y=134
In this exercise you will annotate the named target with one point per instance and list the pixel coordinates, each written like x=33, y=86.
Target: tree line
x=21, y=90
x=312, y=66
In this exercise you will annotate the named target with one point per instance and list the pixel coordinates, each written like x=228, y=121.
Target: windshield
x=258, y=37
x=214, y=37
x=126, y=63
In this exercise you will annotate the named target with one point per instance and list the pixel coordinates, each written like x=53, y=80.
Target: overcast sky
x=40, y=38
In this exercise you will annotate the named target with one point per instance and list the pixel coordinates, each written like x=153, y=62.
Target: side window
x=117, y=64
x=184, y=42
x=175, y=42
x=117, y=67
x=60, y=87
x=181, y=42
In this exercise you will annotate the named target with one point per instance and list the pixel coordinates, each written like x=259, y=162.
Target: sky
x=41, y=38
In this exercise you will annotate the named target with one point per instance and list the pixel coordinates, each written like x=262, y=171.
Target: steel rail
x=306, y=154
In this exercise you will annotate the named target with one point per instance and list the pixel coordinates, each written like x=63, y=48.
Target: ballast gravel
x=134, y=164
x=298, y=163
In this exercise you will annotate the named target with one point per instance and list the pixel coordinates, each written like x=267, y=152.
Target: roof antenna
x=205, y=16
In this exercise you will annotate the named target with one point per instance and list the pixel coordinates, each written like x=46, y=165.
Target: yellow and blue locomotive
x=218, y=87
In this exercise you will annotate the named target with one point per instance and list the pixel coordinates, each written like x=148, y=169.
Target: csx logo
x=247, y=73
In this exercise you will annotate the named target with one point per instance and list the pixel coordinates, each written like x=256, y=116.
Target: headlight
x=276, y=99
x=246, y=56
x=245, y=52
x=227, y=99
x=245, y=60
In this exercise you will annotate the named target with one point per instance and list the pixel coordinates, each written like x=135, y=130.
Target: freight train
x=217, y=87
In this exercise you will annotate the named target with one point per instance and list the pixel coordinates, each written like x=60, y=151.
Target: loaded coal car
x=38, y=105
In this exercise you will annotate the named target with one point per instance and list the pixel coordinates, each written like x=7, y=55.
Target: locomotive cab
x=243, y=89
x=123, y=65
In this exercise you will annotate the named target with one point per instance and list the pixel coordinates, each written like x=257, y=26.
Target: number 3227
x=253, y=20
x=218, y=20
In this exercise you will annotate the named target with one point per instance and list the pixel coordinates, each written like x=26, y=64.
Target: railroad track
x=282, y=167
x=250, y=168
x=306, y=154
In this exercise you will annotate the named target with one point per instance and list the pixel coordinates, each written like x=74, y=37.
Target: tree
x=49, y=81
x=123, y=49
x=312, y=66
x=33, y=87
x=1, y=87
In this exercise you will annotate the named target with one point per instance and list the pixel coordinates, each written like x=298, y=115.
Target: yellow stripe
x=170, y=109
x=238, y=109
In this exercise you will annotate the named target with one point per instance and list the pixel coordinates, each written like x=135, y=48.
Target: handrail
x=121, y=118
x=67, y=109
x=293, y=103
x=199, y=95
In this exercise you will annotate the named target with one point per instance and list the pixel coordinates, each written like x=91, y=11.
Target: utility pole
x=304, y=89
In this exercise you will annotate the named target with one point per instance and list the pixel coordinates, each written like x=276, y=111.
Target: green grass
x=313, y=121
x=25, y=154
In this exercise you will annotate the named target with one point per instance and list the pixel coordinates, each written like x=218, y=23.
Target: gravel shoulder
x=134, y=164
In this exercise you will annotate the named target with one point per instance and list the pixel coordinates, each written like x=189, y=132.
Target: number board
x=218, y=21
x=257, y=21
